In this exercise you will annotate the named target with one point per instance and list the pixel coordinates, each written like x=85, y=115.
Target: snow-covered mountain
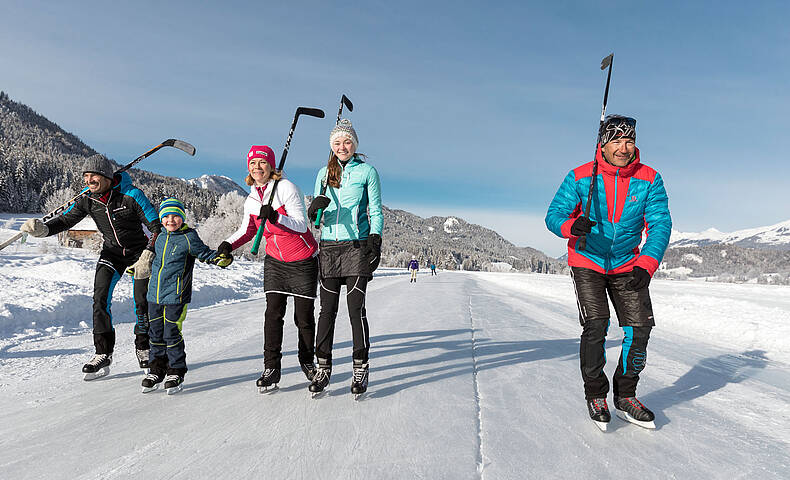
x=218, y=184
x=773, y=237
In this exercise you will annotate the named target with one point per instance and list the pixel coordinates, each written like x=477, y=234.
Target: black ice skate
x=359, y=380
x=173, y=383
x=599, y=412
x=631, y=410
x=269, y=380
x=308, y=369
x=321, y=378
x=97, y=366
x=142, y=357
x=151, y=382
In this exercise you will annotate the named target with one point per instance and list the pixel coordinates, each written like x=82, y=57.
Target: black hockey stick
x=606, y=62
x=311, y=112
x=171, y=142
x=343, y=101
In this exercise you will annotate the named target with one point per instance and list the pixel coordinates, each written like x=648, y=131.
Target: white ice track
x=472, y=376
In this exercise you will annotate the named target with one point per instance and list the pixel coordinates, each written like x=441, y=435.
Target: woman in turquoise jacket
x=349, y=251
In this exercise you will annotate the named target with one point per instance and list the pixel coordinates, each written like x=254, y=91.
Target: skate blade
x=98, y=374
x=317, y=395
x=145, y=370
x=150, y=389
x=628, y=418
x=268, y=390
x=358, y=397
x=601, y=425
x=174, y=390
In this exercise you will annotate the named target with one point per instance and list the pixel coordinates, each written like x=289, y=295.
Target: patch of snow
x=450, y=225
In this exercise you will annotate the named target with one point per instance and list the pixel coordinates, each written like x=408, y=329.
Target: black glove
x=268, y=213
x=372, y=251
x=641, y=279
x=224, y=248
x=582, y=226
x=319, y=202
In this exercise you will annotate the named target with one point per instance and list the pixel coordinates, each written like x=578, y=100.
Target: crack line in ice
x=480, y=464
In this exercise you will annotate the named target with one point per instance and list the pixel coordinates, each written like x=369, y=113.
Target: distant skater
x=414, y=267
x=629, y=198
x=433, y=269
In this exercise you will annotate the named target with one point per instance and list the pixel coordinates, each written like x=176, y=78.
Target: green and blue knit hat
x=171, y=206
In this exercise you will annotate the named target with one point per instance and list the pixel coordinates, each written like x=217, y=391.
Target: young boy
x=169, y=292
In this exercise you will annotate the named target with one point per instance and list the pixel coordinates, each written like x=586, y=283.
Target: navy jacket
x=171, y=272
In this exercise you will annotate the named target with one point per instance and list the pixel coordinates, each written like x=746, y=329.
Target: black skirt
x=344, y=259
x=299, y=278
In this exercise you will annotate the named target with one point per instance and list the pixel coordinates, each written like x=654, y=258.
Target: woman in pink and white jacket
x=290, y=265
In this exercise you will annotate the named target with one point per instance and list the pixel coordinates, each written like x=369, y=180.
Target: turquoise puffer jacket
x=171, y=271
x=346, y=216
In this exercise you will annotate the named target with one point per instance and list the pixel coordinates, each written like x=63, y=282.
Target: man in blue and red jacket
x=628, y=199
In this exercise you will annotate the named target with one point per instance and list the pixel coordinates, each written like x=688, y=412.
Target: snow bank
x=48, y=289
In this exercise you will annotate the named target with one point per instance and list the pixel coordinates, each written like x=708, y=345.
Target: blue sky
x=465, y=108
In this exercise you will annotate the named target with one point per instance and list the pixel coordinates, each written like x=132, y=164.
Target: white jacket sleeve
x=295, y=217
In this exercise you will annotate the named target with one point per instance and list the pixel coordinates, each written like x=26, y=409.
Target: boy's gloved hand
x=222, y=260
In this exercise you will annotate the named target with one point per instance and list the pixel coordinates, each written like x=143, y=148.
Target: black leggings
x=273, y=328
x=355, y=298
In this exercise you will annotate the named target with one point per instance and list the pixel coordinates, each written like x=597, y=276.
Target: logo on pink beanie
x=261, y=151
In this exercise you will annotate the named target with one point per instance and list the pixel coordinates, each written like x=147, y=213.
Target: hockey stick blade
x=347, y=103
x=607, y=61
x=180, y=144
x=311, y=112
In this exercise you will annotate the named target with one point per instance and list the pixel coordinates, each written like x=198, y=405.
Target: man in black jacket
x=119, y=210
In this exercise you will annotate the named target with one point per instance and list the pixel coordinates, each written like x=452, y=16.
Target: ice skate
x=98, y=366
x=599, y=412
x=321, y=379
x=152, y=381
x=174, y=384
x=309, y=370
x=269, y=380
x=142, y=357
x=631, y=410
x=359, y=379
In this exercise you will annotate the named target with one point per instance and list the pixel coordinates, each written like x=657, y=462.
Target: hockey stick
x=310, y=112
x=171, y=142
x=606, y=62
x=343, y=101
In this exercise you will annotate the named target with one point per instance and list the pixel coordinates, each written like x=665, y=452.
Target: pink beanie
x=261, y=151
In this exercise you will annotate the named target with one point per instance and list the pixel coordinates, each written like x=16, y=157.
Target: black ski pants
x=304, y=318
x=635, y=315
x=109, y=270
x=330, y=299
